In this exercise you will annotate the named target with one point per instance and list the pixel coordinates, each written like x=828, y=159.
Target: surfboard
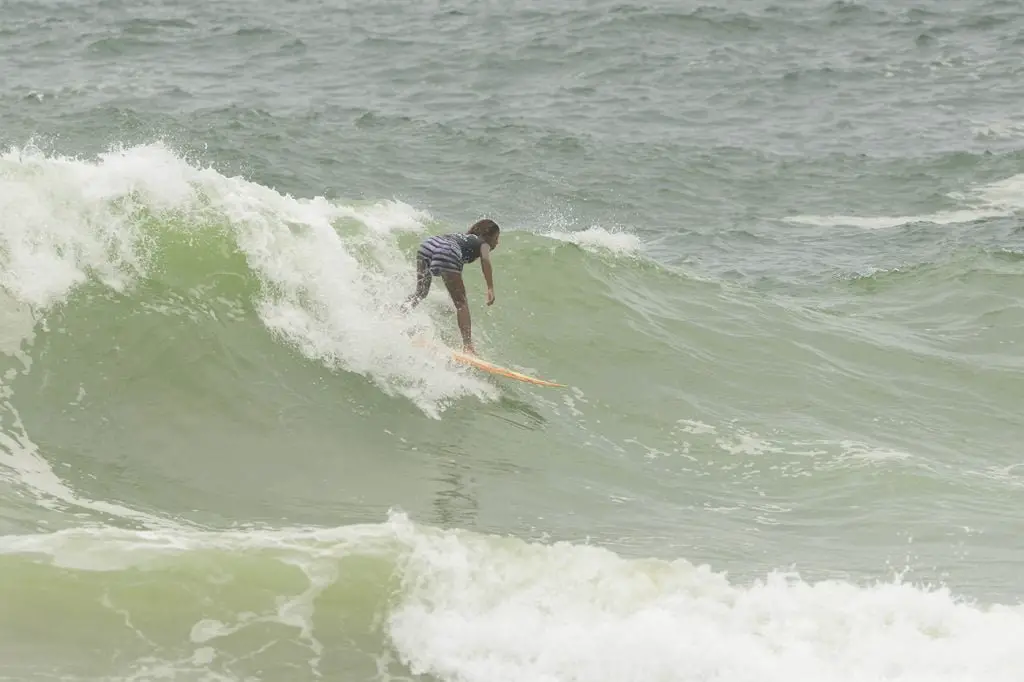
x=473, y=361
x=486, y=366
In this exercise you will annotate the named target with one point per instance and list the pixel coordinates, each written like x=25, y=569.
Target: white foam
x=489, y=610
x=695, y=426
x=1007, y=195
x=331, y=292
x=476, y=608
x=996, y=200
x=745, y=443
x=1004, y=129
x=57, y=226
x=862, y=451
x=595, y=238
x=886, y=222
x=17, y=328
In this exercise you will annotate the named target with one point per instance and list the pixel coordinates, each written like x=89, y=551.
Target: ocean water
x=773, y=249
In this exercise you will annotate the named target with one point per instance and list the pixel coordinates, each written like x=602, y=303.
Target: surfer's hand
x=490, y=296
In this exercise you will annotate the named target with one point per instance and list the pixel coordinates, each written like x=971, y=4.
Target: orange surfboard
x=468, y=359
x=473, y=361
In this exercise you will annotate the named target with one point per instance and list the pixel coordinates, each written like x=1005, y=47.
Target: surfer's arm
x=485, y=265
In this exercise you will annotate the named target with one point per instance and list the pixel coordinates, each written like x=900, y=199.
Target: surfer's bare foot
x=468, y=348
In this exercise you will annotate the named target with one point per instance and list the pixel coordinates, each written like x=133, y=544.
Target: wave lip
x=596, y=238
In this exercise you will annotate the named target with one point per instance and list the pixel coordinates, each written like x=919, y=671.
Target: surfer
x=443, y=256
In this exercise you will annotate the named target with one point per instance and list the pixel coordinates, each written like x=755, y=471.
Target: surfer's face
x=493, y=240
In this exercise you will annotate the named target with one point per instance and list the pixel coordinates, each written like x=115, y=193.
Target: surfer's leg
x=457, y=290
x=423, y=278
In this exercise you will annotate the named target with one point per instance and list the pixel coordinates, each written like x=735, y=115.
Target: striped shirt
x=448, y=252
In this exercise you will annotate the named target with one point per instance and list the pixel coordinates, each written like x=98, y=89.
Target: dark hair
x=485, y=228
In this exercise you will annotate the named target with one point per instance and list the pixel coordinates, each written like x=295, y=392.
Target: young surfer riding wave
x=443, y=256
